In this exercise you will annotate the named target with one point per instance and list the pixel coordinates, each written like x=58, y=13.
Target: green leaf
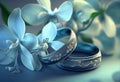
x=95, y=14
x=5, y=12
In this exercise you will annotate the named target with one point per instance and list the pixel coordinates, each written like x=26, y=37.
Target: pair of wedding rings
x=74, y=56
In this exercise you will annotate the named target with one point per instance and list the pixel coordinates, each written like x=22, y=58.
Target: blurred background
x=109, y=70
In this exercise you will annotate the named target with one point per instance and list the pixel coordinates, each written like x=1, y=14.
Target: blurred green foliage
x=5, y=12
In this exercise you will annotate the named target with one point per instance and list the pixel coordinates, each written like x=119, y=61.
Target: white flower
x=48, y=35
x=105, y=25
x=14, y=42
x=36, y=14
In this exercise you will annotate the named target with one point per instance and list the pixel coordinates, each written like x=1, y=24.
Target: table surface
x=106, y=72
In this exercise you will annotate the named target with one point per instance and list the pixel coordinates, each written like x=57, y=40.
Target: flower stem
x=85, y=27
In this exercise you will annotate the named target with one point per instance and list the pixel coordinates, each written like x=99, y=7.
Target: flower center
x=46, y=40
x=45, y=43
x=12, y=44
x=53, y=12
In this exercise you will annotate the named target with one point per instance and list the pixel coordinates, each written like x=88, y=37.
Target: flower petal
x=104, y=3
x=81, y=5
x=98, y=43
x=16, y=23
x=45, y=4
x=49, y=32
x=34, y=14
x=84, y=15
x=65, y=11
x=40, y=37
x=29, y=60
x=113, y=11
x=29, y=41
x=117, y=46
x=56, y=45
x=94, y=3
x=8, y=56
x=108, y=43
x=82, y=10
x=5, y=34
x=108, y=25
